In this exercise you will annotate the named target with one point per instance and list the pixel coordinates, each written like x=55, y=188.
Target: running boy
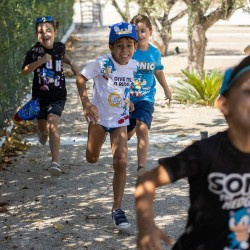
x=218, y=171
x=109, y=110
x=46, y=59
x=144, y=88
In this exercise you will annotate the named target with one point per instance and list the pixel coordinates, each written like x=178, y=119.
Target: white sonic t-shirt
x=111, y=91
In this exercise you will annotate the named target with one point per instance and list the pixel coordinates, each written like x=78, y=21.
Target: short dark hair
x=142, y=18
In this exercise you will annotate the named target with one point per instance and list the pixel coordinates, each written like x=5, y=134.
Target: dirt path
x=74, y=210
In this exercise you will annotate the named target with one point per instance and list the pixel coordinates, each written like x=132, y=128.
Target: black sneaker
x=120, y=219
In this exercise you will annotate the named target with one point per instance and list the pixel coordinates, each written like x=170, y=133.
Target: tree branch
x=223, y=12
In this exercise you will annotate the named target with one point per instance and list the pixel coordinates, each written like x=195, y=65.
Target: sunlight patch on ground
x=158, y=139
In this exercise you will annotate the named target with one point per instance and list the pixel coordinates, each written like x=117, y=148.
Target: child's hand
x=131, y=107
x=46, y=58
x=168, y=96
x=91, y=113
x=151, y=238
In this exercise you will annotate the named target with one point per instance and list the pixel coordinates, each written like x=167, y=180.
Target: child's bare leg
x=131, y=133
x=120, y=151
x=142, y=143
x=96, y=138
x=54, y=137
x=42, y=127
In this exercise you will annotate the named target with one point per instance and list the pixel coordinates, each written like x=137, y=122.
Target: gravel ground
x=74, y=210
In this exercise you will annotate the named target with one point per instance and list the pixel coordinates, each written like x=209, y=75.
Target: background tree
x=202, y=14
x=159, y=12
x=123, y=9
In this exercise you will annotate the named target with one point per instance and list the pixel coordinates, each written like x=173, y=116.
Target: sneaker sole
x=43, y=143
x=55, y=171
x=123, y=226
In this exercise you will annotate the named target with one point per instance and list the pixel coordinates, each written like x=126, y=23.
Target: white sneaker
x=42, y=137
x=54, y=169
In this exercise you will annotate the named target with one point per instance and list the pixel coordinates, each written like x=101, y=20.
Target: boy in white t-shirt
x=108, y=112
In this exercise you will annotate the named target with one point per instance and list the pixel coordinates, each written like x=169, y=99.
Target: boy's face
x=143, y=33
x=123, y=49
x=46, y=35
x=236, y=105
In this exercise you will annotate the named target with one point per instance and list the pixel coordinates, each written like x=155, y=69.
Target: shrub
x=193, y=88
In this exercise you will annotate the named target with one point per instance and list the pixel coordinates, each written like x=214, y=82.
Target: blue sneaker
x=120, y=219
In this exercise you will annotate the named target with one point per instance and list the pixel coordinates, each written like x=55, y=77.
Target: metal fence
x=91, y=14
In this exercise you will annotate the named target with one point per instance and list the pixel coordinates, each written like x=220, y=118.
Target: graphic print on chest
x=48, y=76
x=233, y=189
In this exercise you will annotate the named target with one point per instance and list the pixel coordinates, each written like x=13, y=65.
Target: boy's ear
x=111, y=47
x=223, y=105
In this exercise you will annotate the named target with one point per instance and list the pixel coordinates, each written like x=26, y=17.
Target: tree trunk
x=166, y=35
x=198, y=24
x=161, y=37
x=197, y=43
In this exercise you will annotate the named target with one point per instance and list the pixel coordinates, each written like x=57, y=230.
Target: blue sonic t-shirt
x=143, y=86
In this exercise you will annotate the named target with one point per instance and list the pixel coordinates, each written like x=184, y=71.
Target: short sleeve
x=29, y=58
x=187, y=163
x=159, y=65
x=92, y=69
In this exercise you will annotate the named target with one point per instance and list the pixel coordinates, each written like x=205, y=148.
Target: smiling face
x=236, y=104
x=143, y=33
x=123, y=49
x=46, y=34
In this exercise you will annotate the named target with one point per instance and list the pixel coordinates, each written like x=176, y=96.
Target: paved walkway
x=73, y=211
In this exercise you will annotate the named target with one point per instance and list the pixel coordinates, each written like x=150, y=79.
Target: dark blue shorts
x=55, y=107
x=143, y=112
x=108, y=130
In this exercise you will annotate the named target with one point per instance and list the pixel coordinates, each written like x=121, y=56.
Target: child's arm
x=131, y=107
x=32, y=66
x=149, y=236
x=90, y=110
x=162, y=80
x=70, y=62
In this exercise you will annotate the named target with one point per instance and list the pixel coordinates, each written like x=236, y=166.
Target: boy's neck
x=240, y=139
x=143, y=47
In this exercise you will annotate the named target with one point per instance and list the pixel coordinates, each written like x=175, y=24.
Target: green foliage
x=17, y=36
x=193, y=88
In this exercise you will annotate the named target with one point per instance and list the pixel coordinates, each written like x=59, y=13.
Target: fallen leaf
x=160, y=145
x=3, y=207
x=181, y=135
x=58, y=226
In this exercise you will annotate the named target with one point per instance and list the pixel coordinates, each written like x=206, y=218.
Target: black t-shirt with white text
x=219, y=186
x=49, y=80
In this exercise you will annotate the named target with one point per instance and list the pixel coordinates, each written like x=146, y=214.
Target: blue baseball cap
x=231, y=75
x=120, y=30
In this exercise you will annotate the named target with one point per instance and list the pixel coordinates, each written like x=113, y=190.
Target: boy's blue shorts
x=143, y=112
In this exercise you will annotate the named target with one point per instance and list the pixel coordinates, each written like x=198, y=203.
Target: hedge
x=17, y=36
